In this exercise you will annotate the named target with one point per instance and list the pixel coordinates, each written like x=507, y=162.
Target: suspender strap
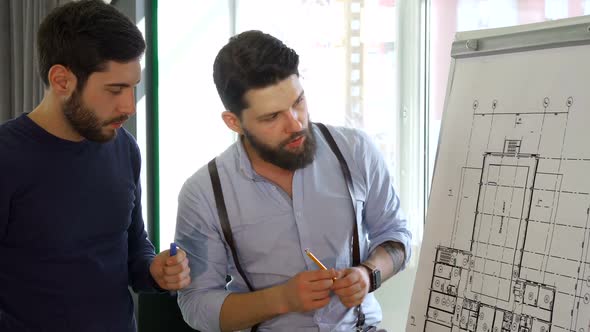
x=356, y=256
x=224, y=220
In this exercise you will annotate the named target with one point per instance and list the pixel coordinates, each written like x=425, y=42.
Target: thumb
x=338, y=274
x=175, y=259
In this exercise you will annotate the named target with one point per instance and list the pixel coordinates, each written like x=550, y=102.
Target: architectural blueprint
x=507, y=238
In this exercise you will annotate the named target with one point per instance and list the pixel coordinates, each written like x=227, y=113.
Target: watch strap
x=373, y=271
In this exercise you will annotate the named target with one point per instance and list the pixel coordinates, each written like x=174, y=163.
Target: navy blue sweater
x=72, y=236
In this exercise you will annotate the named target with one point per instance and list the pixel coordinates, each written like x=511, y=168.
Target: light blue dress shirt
x=271, y=230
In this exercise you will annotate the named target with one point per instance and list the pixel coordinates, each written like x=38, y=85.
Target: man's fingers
x=344, y=282
x=173, y=281
x=348, y=291
x=352, y=299
x=319, y=295
x=316, y=275
x=347, y=278
x=177, y=285
x=174, y=277
x=339, y=274
x=177, y=268
x=176, y=259
x=321, y=285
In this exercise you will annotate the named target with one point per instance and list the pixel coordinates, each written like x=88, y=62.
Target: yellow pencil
x=315, y=260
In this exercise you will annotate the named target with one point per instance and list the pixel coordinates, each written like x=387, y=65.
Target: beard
x=84, y=121
x=282, y=157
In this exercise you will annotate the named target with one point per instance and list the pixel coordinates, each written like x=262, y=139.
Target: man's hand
x=308, y=290
x=352, y=285
x=171, y=272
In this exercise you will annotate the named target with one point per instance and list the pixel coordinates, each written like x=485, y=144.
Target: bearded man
x=72, y=237
x=281, y=190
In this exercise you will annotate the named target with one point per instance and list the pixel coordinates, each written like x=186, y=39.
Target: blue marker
x=173, y=253
x=172, y=249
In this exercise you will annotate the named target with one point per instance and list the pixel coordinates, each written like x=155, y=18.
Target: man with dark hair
x=72, y=237
x=284, y=192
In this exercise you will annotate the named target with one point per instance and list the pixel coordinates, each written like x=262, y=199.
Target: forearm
x=388, y=257
x=140, y=255
x=140, y=278
x=243, y=310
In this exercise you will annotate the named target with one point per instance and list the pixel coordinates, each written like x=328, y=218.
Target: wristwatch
x=374, y=275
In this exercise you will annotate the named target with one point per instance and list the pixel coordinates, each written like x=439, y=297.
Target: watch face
x=377, y=279
x=375, y=275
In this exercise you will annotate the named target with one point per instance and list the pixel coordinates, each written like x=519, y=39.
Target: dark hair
x=83, y=36
x=251, y=59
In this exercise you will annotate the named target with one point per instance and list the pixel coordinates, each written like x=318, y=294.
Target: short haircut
x=83, y=36
x=251, y=59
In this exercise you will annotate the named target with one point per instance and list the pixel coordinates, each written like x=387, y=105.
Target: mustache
x=122, y=118
x=294, y=136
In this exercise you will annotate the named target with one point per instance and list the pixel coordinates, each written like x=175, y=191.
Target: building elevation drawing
x=507, y=240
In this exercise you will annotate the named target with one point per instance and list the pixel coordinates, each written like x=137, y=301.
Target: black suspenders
x=356, y=251
x=227, y=233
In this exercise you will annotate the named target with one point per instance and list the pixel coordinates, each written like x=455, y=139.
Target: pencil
x=315, y=260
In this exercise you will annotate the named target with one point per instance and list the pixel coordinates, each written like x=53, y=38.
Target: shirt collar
x=243, y=162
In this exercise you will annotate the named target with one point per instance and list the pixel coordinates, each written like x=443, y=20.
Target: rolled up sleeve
x=384, y=217
x=200, y=302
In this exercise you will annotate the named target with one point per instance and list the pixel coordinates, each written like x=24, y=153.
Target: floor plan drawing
x=507, y=240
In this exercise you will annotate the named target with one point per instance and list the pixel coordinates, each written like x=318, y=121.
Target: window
x=450, y=16
x=191, y=131
x=361, y=66
x=350, y=68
